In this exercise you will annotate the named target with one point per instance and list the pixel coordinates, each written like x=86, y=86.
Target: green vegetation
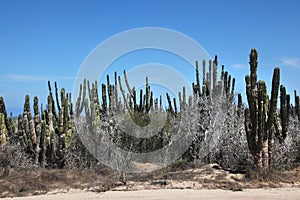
x=243, y=135
x=261, y=118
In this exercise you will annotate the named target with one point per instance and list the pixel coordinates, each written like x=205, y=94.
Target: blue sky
x=49, y=40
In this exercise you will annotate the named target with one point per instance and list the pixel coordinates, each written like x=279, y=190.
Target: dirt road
x=174, y=194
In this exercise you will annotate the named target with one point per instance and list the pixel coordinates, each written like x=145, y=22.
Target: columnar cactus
x=80, y=99
x=297, y=104
x=3, y=130
x=284, y=111
x=12, y=127
x=44, y=134
x=28, y=114
x=38, y=130
x=3, y=110
x=215, y=75
x=196, y=87
x=260, y=117
x=171, y=110
x=212, y=86
x=240, y=104
x=34, y=125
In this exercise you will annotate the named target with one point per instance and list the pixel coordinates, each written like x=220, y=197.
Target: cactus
x=43, y=145
x=284, y=111
x=260, y=117
x=196, y=87
x=146, y=101
x=27, y=113
x=81, y=99
x=171, y=109
x=212, y=86
x=297, y=105
x=38, y=130
x=8, y=122
x=3, y=130
x=215, y=75
x=12, y=127
x=44, y=134
x=52, y=99
x=32, y=135
x=104, y=103
x=3, y=111
x=21, y=132
x=240, y=104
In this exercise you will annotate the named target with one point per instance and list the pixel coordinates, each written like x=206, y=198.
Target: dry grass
x=38, y=181
x=33, y=182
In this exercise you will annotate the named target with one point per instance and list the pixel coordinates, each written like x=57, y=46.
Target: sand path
x=174, y=194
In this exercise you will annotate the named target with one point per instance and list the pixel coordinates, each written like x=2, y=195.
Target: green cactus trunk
x=3, y=130
x=297, y=105
x=260, y=117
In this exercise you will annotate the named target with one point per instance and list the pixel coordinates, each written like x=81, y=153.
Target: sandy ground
x=174, y=194
x=196, y=182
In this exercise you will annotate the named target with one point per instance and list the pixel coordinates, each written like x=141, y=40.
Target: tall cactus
x=81, y=99
x=297, y=105
x=34, y=125
x=213, y=86
x=284, y=110
x=196, y=86
x=3, y=130
x=260, y=117
x=38, y=130
x=27, y=113
x=215, y=75
x=44, y=134
x=3, y=110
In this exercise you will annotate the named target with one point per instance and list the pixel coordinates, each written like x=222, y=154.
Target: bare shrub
x=13, y=156
x=77, y=157
x=220, y=128
x=232, y=149
x=287, y=154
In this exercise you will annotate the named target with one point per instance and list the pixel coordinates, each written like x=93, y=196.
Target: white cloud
x=293, y=62
x=22, y=78
x=34, y=78
x=239, y=66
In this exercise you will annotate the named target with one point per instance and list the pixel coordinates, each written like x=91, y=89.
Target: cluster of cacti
x=211, y=86
x=45, y=135
x=97, y=114
x=111, y=102
x=8, y=125
x=261, y=118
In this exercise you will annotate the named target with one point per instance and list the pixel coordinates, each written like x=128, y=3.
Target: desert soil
x=197, y=182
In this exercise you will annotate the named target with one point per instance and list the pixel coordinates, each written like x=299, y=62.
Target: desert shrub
x=220, y=129
x=77, y=157
x=13, y=156
x=286, y=154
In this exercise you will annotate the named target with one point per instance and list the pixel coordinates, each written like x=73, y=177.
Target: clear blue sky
x=48, y=40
